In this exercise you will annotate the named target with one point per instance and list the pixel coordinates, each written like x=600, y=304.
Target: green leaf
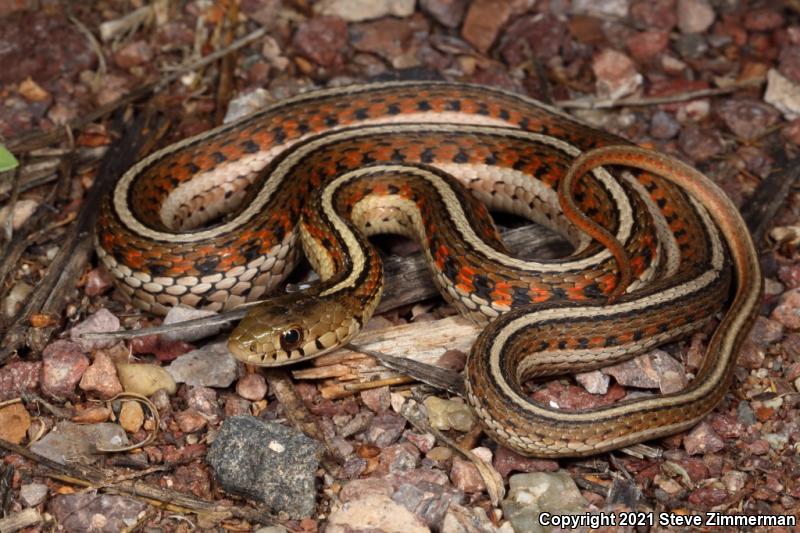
x=7, y=159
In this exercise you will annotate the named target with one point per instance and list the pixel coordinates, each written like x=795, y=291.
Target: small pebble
x=252, y=387
x=32, y=494
x=145, y=379
x=702, y=439
x=131, y=416
x=14, y=422
x=695, y=16
x=440, y=454
x=16, y=297
x=101, y=377
x=190, y=421
x=465, y=476
x=103, y=321
x=63, y=365
x=449, y=414
x=210, y=366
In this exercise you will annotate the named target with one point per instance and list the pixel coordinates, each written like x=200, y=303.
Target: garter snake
x=213, y=221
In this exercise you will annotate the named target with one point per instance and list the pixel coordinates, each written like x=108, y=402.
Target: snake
x=218, y=220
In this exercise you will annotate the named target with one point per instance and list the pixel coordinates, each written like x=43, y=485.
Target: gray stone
x=209, y=366
x=268, y=462
x=531, y=494
x=69, y=442
x=32, y=494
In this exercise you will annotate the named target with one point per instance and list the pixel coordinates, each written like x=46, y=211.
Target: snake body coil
x=657, y=248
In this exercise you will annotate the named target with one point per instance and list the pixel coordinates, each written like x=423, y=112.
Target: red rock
x=758, y=447
x=726, y=426
x=191, y=479
x=323, y=40
x=787, y=311
x=133, y=54
x=747, y=119
x=164, y=350
x=63, y=364
x=493, y=76
x=235, y=406
x=396, y=40
x=673, y=86
x=654, y=13
x=144, y=344
x=646, y=45
x=384, y=429
x=709, y=496
x=19, y=377
x=98, y=281
x=542, y=36
x=615, y=74
x=700, y=144
x=702, y=439
x=655, y=369
x=203, y=399
x=695, y=16
x=251, y=387
x=448, y=13
x=103, y=321
x=424, y=442
x=190, y=421
x=483, y=22
x=398, y=457
x=764, y=19
x=789, y=64
x=377, y=400
x=594, y=381
x=572, y=397
x=789, y=275
x=750, y=355
x=507, y=461
x=101, y=377
x=588, y=30
x=764, y=413
x=695, y=467
x=465, y=476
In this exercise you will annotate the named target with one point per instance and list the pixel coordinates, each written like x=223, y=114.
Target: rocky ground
x=713, y=82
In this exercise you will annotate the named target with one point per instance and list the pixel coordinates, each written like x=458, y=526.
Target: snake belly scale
x=214, y=221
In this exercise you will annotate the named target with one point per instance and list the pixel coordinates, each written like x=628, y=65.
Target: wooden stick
x=74, y=252
x=25, y=518
x=594, y=103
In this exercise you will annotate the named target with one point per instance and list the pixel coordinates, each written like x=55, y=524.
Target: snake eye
x=291, y=338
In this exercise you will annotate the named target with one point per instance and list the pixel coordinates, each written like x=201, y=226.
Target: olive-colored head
x=291, y=328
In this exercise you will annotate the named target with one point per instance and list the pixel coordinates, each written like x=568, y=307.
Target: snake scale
x=214, y=221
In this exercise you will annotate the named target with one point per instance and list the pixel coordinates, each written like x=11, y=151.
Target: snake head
x=290, y=328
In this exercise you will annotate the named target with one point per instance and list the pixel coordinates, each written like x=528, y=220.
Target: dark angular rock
x=267, y=462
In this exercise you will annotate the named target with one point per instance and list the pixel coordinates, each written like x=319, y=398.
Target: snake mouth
x=245, y=348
